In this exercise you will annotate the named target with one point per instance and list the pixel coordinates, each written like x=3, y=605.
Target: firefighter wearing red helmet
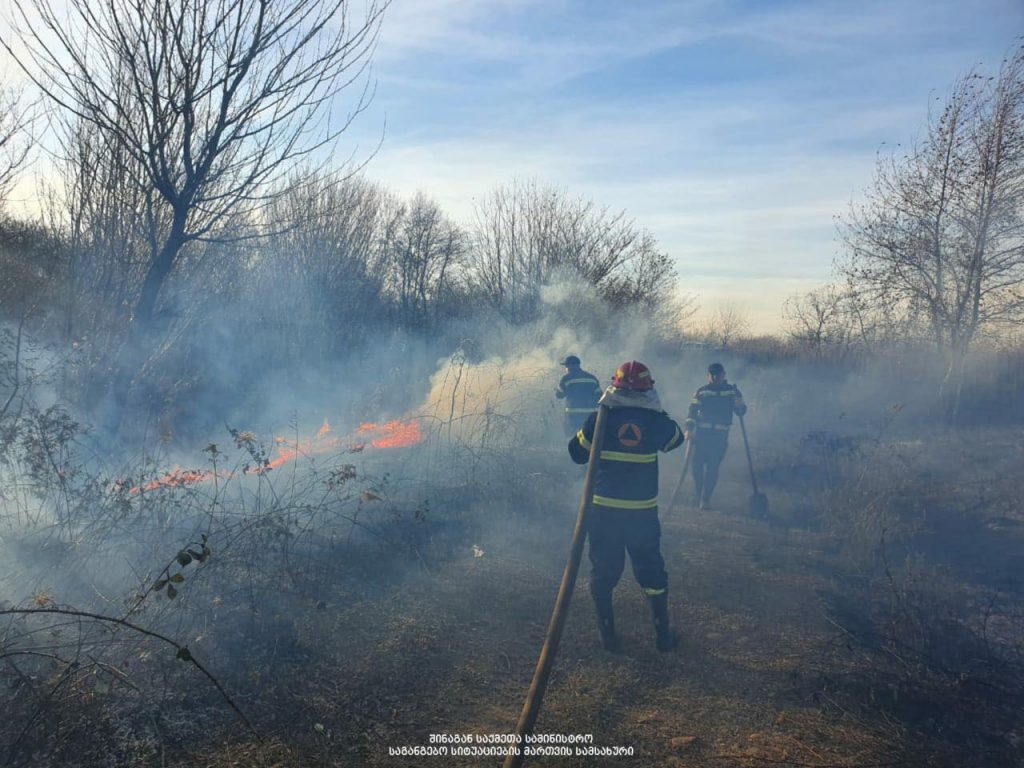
x=633, y=376
x=624, y=510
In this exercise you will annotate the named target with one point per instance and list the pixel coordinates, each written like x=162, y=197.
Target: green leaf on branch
x=177, y=578
x=172, y=592
x=183, y=558
x=159, y=584
x=184, y=654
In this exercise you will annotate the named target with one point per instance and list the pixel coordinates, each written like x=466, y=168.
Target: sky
x=735, y=132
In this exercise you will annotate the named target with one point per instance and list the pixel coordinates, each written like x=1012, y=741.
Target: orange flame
x=175, y=478
x=289, y=451
x=393, y=434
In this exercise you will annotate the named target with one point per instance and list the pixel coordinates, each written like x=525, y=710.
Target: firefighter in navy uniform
x=707, y=424
x=580, y=390
x=624, y=512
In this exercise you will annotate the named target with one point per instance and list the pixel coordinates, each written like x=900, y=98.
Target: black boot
x=666, y=638
x=606, y=622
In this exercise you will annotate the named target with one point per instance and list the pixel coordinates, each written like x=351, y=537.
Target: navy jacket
x=713, y=405
x=627, y=475
x=580, y=390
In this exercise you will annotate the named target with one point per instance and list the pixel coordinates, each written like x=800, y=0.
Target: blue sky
x=734, y=131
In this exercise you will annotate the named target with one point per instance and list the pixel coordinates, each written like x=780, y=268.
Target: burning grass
x=355, y=603
x=392, y=434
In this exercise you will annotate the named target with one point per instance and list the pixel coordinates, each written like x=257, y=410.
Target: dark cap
x=571, y=361
x=716, y=369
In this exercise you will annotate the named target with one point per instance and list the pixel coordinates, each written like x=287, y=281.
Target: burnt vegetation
x=197, y=568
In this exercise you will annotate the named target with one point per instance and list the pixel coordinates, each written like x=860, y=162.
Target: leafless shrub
x=217, y=557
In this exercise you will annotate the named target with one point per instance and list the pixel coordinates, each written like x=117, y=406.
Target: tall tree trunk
x=132, y=355
x=953, y=382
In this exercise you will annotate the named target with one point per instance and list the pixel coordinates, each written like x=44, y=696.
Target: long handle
x=750, y=461
x=546, y=660
x=682, y=475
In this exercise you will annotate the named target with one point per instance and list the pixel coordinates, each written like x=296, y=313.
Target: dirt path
x=452, y=652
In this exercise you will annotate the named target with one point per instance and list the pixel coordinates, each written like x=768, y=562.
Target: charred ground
x=876, y=619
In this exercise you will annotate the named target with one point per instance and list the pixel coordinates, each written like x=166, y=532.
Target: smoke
x=342, y=518
x=482, y=394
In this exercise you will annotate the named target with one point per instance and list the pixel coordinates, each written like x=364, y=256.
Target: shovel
x=682, y=476
x=758, y=501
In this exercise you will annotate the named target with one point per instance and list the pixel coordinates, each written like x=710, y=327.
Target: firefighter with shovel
x=707, y=425
x=624, y=509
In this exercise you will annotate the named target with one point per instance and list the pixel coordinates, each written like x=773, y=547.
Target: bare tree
x=822, y=321
x=108, y=220
x=646, y=278
x=526, y=231
x=726, y=325
x=323, y=279
x=940, y=237
x=512, y=236
x=425, y=251
x=215, y=102
x=16, y=121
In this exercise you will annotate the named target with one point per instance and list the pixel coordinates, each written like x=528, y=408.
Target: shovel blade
x=759, y=506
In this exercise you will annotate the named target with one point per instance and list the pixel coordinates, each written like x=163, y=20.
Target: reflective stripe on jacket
x=713, y=405
x=627, y=476
x=581, y=391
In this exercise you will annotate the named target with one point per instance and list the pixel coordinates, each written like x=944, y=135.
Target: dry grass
x=801, y=645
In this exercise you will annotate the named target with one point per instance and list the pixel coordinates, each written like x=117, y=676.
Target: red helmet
x=633, y=375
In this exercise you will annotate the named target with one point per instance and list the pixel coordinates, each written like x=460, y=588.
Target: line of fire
x=391, y=434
